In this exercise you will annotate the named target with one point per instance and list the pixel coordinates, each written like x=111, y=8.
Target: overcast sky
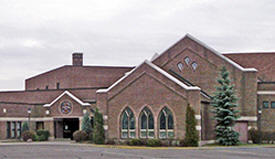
x=39, y=35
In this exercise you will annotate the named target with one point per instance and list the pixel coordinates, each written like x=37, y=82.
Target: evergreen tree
x=86, y=124
x=98, y=134
x=224, y=105
x=25, y=126
x=191, y=135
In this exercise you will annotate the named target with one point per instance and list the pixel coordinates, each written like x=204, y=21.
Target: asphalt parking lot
x=74, y=151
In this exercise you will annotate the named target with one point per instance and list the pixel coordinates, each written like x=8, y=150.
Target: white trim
x=198, y=127
x=69, y=94
x=171, y=77
x=155, y=67
x=266, y=92
x=248, y=118
x=252, y=127
x=25, y=119
x=198, y=117
x=154, y=56
x=215, y=52
x=222, y=56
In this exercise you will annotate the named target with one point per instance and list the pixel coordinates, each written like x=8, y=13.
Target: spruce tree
x=86, y=124
x=224, y=109
x=191, y=135
x=98, y=134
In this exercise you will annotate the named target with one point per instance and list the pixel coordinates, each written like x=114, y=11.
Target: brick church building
x=146, y=101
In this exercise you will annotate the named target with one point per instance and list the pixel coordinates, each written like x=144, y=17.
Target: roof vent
x=77, y=59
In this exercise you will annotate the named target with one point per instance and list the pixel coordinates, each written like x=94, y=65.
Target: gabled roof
x=155, y=67
x=69, y=94
x=262, y=61
x=212, y=50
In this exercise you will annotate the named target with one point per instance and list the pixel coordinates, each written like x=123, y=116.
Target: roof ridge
x=157, y=69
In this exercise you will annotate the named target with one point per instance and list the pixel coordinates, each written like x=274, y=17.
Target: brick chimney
x=77, y=59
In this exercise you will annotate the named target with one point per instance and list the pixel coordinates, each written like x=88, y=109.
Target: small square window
x=265, y=104
x=180, y=66
x=187, y=60
x=194, y=65
x=272, y=104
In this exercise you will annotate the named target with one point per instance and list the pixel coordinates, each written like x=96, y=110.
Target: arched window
x=166, y=124
x=146, y=124
x=128, y=124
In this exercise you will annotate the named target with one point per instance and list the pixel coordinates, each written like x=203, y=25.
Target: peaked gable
x=70, y=95
x=153, y=67
x=188, y=41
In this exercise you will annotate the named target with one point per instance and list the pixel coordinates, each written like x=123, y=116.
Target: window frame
x=148, y=130
x=129, y=130
x=187, y=60
x=272, y=104
x=166, y=111
x=8, y=129
x=265, y=107
x=196, y=65
x=180, y=66
x=18, y=129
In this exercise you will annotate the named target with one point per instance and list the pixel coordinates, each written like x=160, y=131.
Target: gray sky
x=39, y=35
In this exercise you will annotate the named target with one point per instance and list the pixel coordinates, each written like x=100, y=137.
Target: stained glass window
x=146, y=124
x=180, y=66
x=187, y=60
x=194, y=65
x=128, y=124
x=166, y=124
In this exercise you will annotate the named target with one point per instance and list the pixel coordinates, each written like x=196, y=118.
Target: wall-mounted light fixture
x=4, y=110
x=47, y=112
x=84, y=111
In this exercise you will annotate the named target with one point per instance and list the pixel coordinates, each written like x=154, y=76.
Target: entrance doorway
x=242, y=128
x=65, y=127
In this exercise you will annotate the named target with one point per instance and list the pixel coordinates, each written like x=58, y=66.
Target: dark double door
x=65, y=127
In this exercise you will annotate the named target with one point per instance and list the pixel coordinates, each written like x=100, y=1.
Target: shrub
x=254, y=135
x=191, y=135
x=98, y=134
x=40, y=138
x=153, y=142
x=25, y=126
x=26, y=135
x=135, y=142
x=86, y=124
x=42, y=135
x=80, y=136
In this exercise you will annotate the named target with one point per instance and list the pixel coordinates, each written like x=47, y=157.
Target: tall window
x=8, y=129
x=146, y=124
x=13, y=130
x=128, y=124
x=166, y=124
x=18, y=127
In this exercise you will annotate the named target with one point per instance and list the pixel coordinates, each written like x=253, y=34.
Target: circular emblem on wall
x=66, y=107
